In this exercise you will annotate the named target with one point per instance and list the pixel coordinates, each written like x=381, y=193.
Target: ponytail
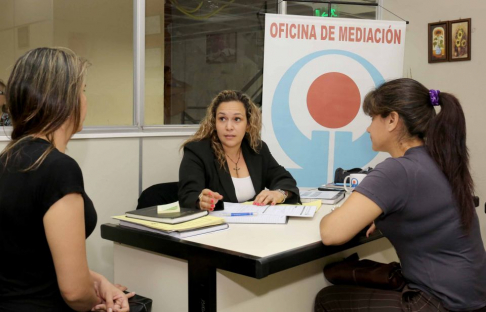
x=444, y=133
x=446, y=144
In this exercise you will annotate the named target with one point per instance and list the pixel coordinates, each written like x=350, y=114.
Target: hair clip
x=434, y=97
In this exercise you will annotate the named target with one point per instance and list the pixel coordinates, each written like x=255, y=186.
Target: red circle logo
x=333, y=100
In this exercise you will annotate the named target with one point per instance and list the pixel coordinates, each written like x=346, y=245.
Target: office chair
x=158, y=194
x=476, y=201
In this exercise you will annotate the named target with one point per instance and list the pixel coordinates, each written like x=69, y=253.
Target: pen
x=238, y=214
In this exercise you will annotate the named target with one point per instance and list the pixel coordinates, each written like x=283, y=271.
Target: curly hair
x=207, y=129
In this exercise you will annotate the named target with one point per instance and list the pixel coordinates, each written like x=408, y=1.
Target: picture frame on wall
x=221, y=48
x=438, y=42
x=460, y=40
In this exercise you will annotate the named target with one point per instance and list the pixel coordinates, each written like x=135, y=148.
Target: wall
x=463, y=79
x=111, y=174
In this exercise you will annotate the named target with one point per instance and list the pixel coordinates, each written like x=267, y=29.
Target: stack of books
x=177, y=222
x=327, y=196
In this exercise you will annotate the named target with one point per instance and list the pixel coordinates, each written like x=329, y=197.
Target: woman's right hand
x=208, y=199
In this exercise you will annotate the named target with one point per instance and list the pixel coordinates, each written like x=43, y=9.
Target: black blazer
x=200, y=170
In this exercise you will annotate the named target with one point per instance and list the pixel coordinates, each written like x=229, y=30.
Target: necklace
x=236, y=168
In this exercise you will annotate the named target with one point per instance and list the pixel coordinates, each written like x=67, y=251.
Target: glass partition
x=195, y=49
x=99, y=30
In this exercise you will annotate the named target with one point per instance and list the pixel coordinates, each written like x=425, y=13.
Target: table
x=252, y=250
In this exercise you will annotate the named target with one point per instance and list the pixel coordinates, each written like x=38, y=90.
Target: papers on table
x=242, y=213
x=255, y=219
x=178, y=234
x=189, y=225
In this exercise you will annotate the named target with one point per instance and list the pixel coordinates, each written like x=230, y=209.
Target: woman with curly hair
x=226, y=160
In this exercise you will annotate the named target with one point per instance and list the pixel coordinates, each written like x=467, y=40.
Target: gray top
x=423, y=223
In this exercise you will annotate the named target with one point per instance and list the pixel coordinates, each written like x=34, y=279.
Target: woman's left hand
x=267, y=197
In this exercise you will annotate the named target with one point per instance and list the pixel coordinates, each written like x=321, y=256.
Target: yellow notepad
x=193, y=224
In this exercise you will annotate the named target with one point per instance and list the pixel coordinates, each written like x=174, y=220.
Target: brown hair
x=444, y=133
x=207, y=128
x=2, y=90
x=42, y=93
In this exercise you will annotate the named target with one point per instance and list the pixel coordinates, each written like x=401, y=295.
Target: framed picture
x=437, y=42
x=460, y=40
x=221, y=48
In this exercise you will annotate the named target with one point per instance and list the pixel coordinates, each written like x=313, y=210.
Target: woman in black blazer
x=226, y=160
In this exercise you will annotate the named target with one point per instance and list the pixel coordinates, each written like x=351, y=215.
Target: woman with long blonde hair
x=226, y=160
x=45, y=213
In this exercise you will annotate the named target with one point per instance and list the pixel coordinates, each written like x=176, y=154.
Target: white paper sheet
x=277, y=210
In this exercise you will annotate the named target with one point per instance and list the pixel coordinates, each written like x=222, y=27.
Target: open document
x=242, y=213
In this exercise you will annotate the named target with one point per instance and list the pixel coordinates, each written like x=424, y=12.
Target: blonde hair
x=207, y=128
x=42, y=93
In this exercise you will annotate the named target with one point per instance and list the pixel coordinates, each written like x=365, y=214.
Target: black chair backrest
x=158, y=194
x=476, y=201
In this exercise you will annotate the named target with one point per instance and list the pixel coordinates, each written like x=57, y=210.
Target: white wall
x=463, y=79
x=111, y=170
x=161, y=158
x=111, y=175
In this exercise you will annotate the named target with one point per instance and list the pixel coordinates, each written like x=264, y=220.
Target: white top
x=244, y=189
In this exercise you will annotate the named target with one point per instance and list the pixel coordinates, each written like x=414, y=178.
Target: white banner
x=317, y=72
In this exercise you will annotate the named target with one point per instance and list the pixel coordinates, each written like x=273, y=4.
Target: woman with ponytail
x=421, y=199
